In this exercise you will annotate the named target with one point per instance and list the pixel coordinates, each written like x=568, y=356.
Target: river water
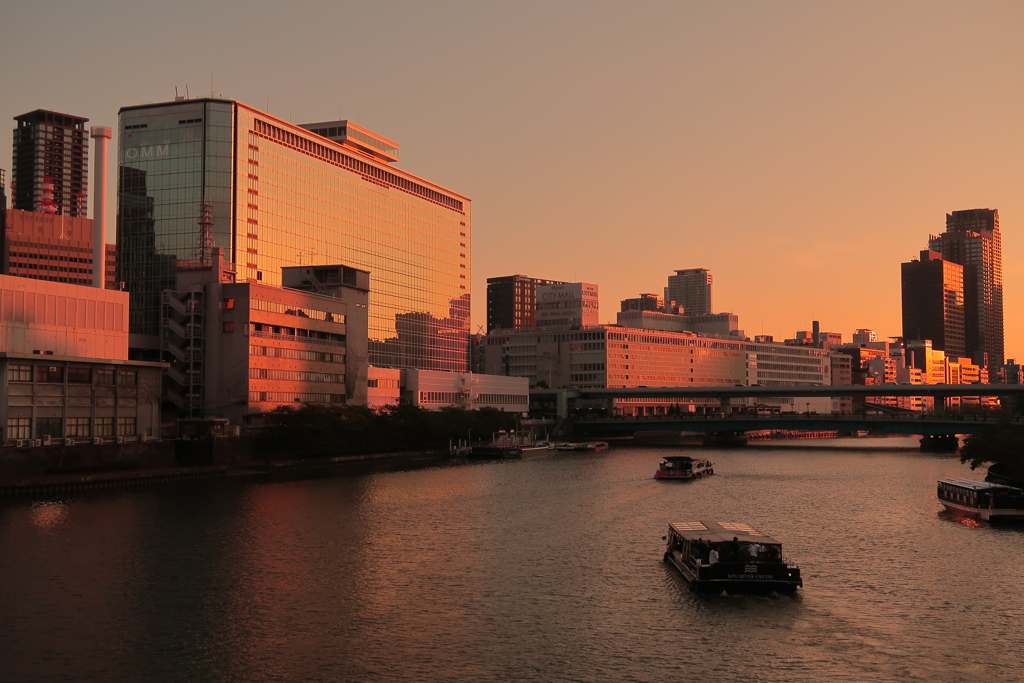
x=544, y=569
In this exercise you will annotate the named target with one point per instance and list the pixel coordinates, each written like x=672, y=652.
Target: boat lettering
x=767, y=577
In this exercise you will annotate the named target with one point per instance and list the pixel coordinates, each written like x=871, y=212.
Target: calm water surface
x=545, y=569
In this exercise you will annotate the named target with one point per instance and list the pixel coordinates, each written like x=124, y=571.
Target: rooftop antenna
x=186, y=92
x=175, y=92
x=211, y=85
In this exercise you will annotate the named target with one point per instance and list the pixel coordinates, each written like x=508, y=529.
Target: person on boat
x=734, y=549
x=702, y=549
x=713, y=555
x=754, y=550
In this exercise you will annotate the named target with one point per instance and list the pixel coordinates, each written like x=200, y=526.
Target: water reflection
x=547, y=568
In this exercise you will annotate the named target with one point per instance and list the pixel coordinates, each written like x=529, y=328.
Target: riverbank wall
x=55, y=470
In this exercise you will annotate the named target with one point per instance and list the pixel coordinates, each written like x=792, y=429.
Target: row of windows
x=296, y=354
x=274, y=307
x=383, y=383
x=296, y=375
x=441, y=397
x=55, y=374
x=292, y=397
x=455, y=397
x=503, y=399
x=297, y=334
x=62, y=256
x=336, y=158
x=21, y=427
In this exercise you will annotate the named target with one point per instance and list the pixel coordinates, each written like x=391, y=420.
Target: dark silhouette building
x=50, y=170
x=933, y=302
x=512, y=301
x=972, y=239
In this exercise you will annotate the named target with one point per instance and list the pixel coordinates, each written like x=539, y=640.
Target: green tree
x=1001, y=444
x=318, y=430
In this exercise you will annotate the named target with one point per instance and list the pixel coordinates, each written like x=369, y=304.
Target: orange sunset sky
x=799, y=150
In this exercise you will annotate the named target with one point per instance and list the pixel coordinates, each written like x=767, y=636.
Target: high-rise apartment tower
x=50, y=171
x=972, y=239
x=691, y=289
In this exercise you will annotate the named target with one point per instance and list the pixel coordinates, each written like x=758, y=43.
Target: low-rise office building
x=65, y=376
x=244, y=348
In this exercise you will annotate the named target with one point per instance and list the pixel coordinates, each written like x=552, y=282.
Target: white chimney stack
x=99, y=212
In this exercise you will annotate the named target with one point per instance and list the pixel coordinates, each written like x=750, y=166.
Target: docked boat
x=731, y=557
x=683, y=468
x=494, y=452
x=585, y=446
x=982, y=499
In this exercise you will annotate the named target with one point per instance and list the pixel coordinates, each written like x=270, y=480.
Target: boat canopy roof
x=721, y=532
x=682, y=458
x=975, y=485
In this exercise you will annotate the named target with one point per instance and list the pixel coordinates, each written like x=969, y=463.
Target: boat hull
x=984, y=514
x=490, y=452
x=738, y=577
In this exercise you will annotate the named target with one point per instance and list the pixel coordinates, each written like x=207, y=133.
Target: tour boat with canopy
x=731, y=557
x=982, y=499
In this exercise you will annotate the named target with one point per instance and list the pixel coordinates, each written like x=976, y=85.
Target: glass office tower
x=281, y=195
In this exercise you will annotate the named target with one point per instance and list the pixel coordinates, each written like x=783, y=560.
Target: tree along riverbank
x=296, y=441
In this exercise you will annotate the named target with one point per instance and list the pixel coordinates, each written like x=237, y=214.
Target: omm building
x=273, y=194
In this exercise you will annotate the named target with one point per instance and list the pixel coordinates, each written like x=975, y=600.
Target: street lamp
x=808, y=404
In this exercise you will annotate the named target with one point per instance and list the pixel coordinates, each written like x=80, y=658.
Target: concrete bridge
x=925, y=426
x=936, y=428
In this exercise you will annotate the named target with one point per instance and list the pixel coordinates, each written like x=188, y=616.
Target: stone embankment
x=57, y=470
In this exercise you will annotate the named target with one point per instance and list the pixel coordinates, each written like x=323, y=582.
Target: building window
x=78, y=375
x=105, y=376
x=128, y=378
x=19, y=373
x=229, y=325
x=49, y=426
x=19, y=428
x=78, y=426
x=126, y=426
x=52, y=374
x=104, y=426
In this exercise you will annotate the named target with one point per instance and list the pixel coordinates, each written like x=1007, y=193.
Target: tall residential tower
x=972, y=239
x=50, y=171
x=691, y=289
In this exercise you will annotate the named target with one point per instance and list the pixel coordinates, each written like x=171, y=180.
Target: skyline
x=687, y=136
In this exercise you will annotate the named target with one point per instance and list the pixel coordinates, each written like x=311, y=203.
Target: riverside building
x=610, y=356
x=65, y=376
x=199, y=173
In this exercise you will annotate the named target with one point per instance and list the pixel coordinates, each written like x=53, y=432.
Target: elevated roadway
x=724, y=394
x=927, y=426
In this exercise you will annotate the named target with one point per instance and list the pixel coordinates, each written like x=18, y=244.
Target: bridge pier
x=725, y=439
x=941, y=443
